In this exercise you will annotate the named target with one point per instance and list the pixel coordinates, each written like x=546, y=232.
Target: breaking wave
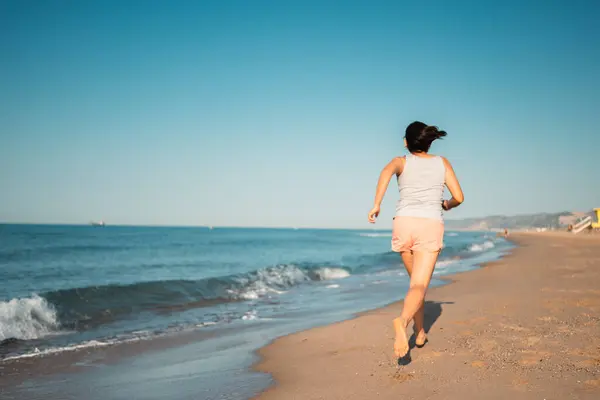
x=27, y=318
x=86, y=307
x=478, y=247
x=277, y=279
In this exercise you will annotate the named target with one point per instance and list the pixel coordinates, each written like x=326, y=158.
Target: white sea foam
x=451, y=234
x=375, y=234
x=328, y=273
x=250, y=315
x=27, y=318
x=334, y=286
x=54, y=350
x=391, y=272
x=203, y=324
x=479, y=247
x=268, y=280
x=75, y=347
x=132, y=337
x=277, y=279
x=444, y=263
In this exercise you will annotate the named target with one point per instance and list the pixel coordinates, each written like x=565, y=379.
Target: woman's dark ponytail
x=420, y=136
x=433, y=132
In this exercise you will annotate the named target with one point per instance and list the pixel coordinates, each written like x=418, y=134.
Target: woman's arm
x=394, y=167
x=454, y=188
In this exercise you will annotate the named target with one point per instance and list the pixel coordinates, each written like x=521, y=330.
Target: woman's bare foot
x=420, y=338
x=401, y=343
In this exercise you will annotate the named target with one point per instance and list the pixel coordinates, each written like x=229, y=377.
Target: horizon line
x=90, y=223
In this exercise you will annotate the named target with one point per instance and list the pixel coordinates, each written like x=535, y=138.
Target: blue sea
x=68, y=288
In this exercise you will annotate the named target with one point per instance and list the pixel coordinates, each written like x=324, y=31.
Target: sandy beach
x=524, y=327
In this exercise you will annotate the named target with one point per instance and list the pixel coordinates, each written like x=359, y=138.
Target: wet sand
x=524, y=327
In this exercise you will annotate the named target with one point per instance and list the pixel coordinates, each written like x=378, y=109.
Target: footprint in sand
x=402, y=377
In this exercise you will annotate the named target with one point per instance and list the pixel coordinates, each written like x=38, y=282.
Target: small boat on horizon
x=97, y=223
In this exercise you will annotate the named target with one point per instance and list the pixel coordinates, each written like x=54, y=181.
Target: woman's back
x=421, y=186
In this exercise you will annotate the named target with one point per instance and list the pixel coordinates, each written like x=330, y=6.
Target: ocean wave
x=479, y=247
x=27, y=318
x=277, y=279
x=80, y=309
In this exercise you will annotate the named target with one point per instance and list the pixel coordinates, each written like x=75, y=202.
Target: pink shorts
x=417, y=234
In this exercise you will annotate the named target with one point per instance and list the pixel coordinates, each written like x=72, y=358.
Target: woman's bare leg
x=419, y=318
x=423, y=264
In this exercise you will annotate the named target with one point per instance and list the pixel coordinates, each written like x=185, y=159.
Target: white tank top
x=421, y=186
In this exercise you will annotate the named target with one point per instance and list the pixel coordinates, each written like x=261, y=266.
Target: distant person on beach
x=418, y=226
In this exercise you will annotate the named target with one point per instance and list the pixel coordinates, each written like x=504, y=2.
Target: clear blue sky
x=283, y=113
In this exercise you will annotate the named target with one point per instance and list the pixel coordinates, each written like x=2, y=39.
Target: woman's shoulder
x=398, y=163
x=444, y=161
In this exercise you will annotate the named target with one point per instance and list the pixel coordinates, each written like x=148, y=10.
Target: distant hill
x=525, y=221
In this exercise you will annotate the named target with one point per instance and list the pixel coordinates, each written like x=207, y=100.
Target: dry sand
x=524, y=327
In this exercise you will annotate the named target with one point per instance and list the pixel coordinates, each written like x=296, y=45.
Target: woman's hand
x=445, y=205
x=373, y=214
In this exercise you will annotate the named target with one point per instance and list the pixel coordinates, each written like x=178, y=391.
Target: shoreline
x=448, y=280
x=482, y=349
